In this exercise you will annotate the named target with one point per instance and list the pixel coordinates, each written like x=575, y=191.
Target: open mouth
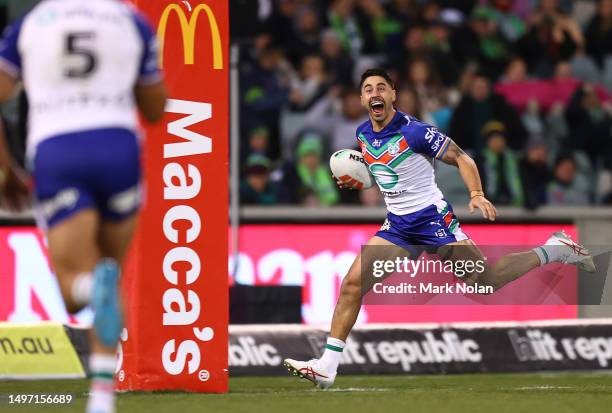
x=377, y=106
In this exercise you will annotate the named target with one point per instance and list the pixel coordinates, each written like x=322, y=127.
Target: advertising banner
x=410, y=349
x=37, y=351
x=317, y=257
x=314, y=257
x=176, y=281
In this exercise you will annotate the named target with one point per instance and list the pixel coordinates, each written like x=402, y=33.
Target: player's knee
x=66, y=282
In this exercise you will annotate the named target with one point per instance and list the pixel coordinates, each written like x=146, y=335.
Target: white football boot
x=573, y=253
x=310, y=370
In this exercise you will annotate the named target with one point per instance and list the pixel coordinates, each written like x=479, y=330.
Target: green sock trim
x=545, y=255
x=334, y=348
x=103, y=376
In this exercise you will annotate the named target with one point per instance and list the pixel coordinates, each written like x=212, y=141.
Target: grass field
x=491, y=393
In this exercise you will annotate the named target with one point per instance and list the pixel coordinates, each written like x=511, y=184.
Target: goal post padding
x=175, y=282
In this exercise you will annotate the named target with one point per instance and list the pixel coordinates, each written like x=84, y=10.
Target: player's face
x=377, y=97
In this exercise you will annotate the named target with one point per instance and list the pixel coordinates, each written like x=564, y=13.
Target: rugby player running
x=88, y=68
x=399, y=151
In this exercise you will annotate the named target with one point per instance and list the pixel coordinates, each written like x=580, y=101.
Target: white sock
x=332, y=354
x=81, y=289
x=548, y=253
x=102, y=390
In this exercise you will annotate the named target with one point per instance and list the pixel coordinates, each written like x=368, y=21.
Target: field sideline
x=498, y=393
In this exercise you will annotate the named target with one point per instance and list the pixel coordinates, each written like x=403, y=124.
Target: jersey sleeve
x=426, y=139
x=149, y=72
x=10, y=59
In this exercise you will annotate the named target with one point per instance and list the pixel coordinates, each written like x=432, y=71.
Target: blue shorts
x=431, y=227
x=98, y=169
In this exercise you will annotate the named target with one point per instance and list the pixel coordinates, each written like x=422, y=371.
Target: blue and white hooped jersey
x=401, y=158
x=79, y=62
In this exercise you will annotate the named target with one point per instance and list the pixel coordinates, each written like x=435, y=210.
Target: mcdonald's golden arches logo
x=188, y=29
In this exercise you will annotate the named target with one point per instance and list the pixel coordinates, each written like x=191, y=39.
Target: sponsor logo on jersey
x=188, y=30
x=393, y=148
x=435, y=138
x=376, y=143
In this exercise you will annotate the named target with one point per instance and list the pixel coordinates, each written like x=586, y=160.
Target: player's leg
x=558, y=248
x=73, y=251
x=118, y=198
x=114, y=238
x=438, y=226
x=351, y=292
x=322, y=372
x=506, y=269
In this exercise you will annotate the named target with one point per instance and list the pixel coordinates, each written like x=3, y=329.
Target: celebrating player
x=399, y=151
x=87, y=67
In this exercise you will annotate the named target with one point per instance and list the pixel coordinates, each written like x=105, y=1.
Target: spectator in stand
x=386, y=27
x=599, y=33
x=343, y=20
x=339, y=64
x=479, y=107
x=337, y=120
x=482, y=42
x=433, y=97
x=408, y=102
x=255, y=187
x=431, y=42
x=264, y=91
x=257, y=142
x=564, y=189
x=511, y=26
x=499, y=166
x=518, y=88
x=440, y=52
x=310, y=85
x=552, y=36
x=308, y=180
x=405, y=10
x=590, y=123
x=430, y=12
x=423, y=78
x=535, y=173
x=305, y=37
x=280, y=24
x=413, y=44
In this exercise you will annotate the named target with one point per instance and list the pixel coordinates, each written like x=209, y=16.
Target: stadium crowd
x=524, y=86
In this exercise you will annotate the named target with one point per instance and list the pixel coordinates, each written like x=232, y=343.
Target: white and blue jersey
x=79, y=62
x=401, y=159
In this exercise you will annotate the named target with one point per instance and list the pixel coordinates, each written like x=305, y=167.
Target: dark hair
x=376, y=72
x=565, y=156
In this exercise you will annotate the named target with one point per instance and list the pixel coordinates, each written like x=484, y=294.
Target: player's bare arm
x=151, y=100
x=8, y=85
x=455, y=156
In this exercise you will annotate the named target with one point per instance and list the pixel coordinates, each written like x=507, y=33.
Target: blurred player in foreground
x=399, y=151
x=87, y=68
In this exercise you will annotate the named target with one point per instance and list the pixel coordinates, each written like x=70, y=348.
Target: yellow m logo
x=188, y=28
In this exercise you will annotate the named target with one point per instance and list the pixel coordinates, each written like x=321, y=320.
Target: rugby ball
x=348, y=166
